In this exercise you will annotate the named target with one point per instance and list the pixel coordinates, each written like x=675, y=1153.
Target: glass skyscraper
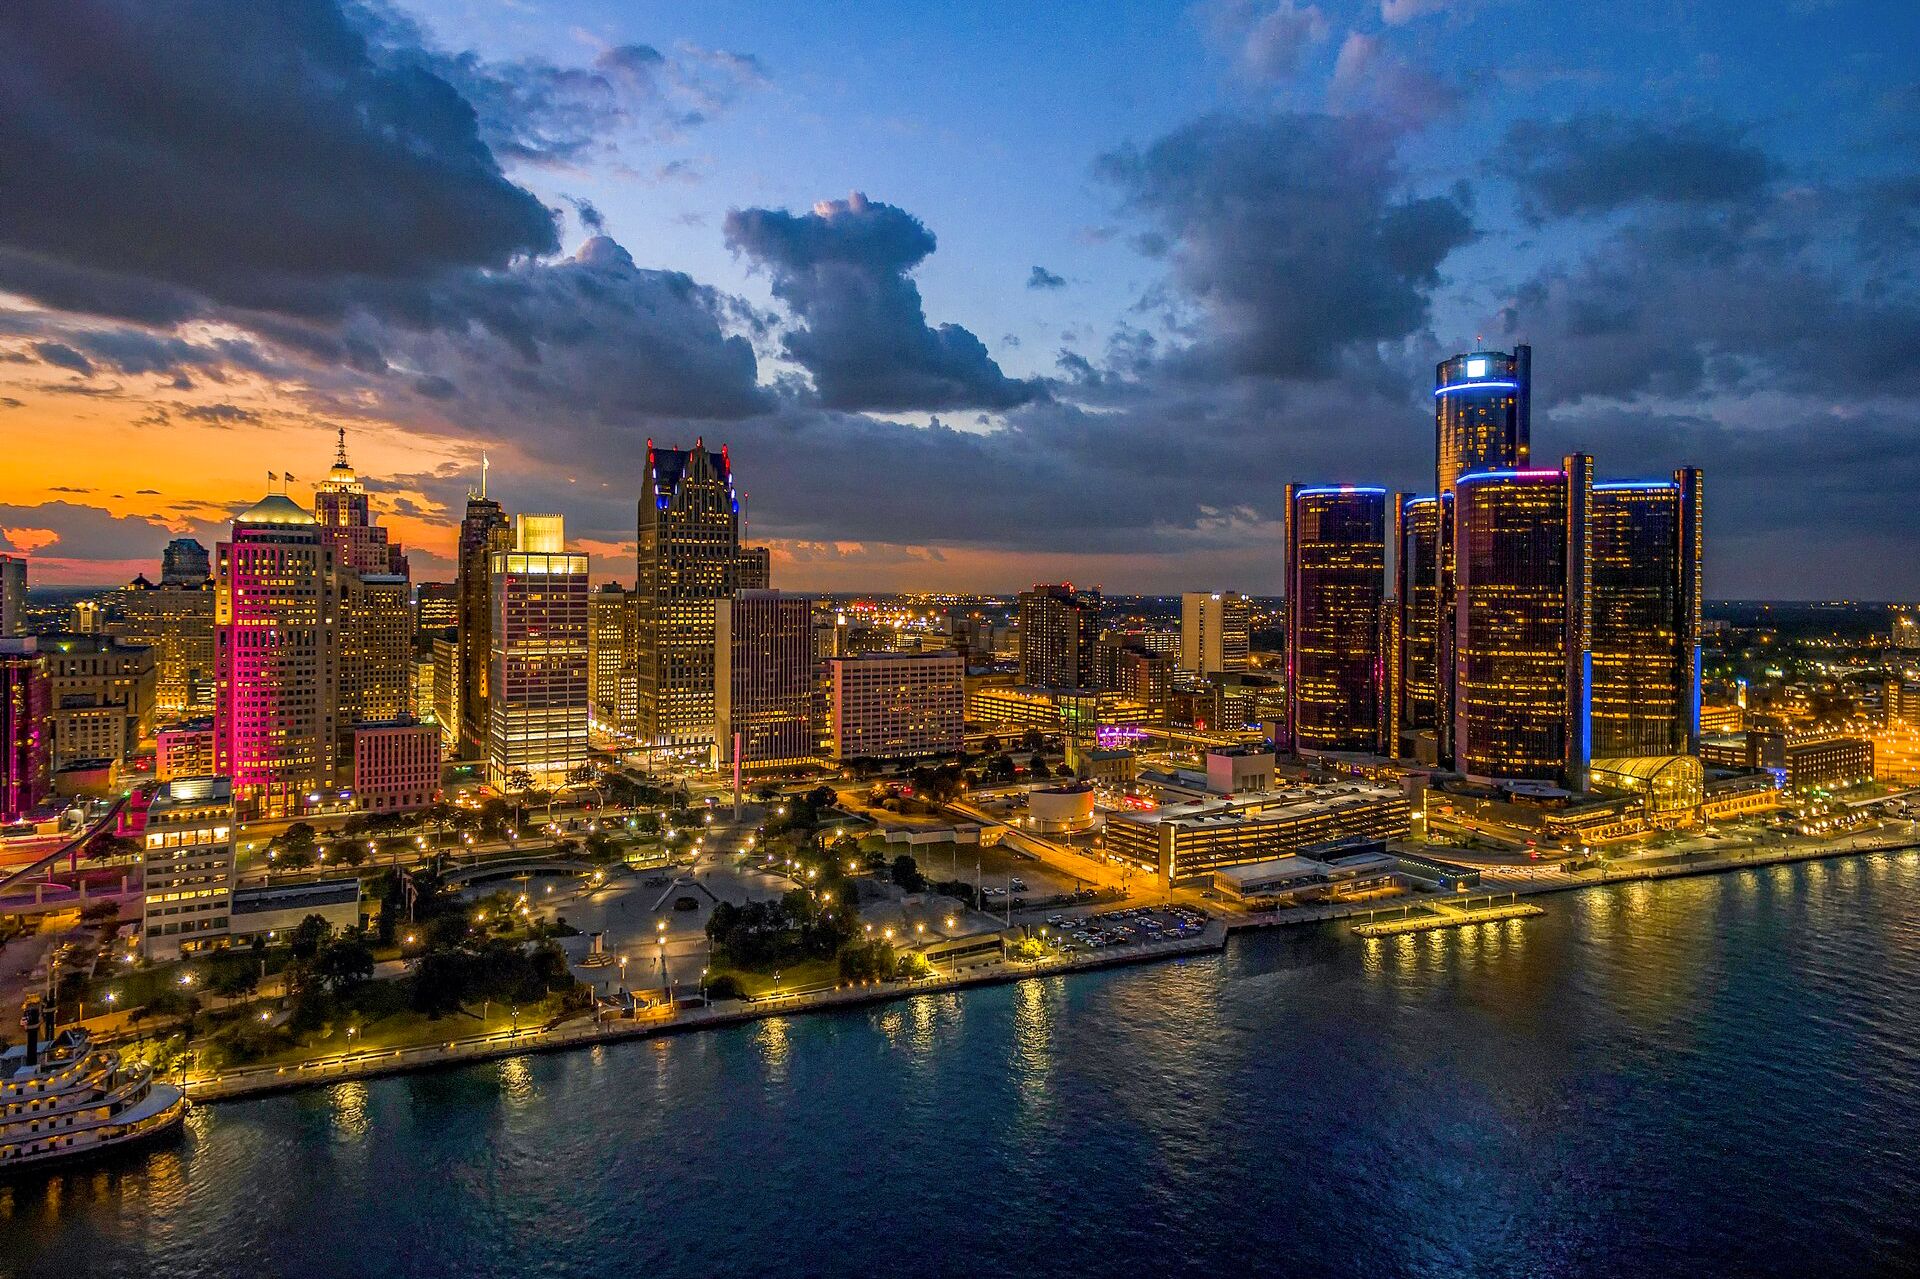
x=1482, y=414
x=1336, y=606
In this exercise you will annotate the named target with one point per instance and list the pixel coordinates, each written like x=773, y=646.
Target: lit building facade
x=1059, y=636
x=689, y=558
x=446, y=693
x=1417, y=538
x=1521, y=649
x=436, y=609
x=13, y=595
x=538, y=680
x=1482, y=414
x=375, y=626
x=276, y=611
x=175, y=620
x=25, y=758
x=186, y=854
x=184, y=562
x=483, y=534
x=763, y=678
x=896, y=705
x=396, y=766
x=1216, y=631
x=184, y=749
x=1645, y=551
x=102, y=694
x=345, y=516
x=1336, y=540
x=613, y=661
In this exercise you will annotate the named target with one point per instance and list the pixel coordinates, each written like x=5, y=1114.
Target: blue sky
x=1186, y=253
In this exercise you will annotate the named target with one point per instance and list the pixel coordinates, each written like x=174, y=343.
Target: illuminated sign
x=1476, y=368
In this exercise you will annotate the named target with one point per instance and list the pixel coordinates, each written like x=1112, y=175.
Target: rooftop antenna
x=340, y=450
x=483, y=475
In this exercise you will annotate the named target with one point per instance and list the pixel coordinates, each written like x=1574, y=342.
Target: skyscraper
x=436, y=608
x=538, y=679
x=613, y=660
x=689, y=558
x=1415, y=706
x=102, y=693
x=1059, y=637
x=1522, y=658
x=1336, y=540
x=483, y=534
x=13, y=595
x=184, y=562
x=1482, y=413
x=375, y=626
x=175, y=620
x=1216, y=631
x=1646, y=549
x=276, y=614
x=763, y=678
x=25, y=746
x=341, y=507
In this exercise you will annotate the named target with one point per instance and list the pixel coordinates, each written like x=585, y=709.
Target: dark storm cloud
x=1598, y=163
x=844, y=270
x=1287, y=233
x=263, y=156
x=1041, y=278
x=62, y=356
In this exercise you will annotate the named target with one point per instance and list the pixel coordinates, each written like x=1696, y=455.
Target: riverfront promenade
x=236, y=1084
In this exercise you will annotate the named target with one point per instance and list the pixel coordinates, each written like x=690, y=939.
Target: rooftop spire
x=340, y=451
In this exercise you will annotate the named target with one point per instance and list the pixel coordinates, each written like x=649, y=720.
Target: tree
x=905, y=872
x=343, y=963
x=1033, y=740
x=308, y=937
x=1038, y=767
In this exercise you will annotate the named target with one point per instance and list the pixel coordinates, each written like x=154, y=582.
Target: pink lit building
x=25, y=729
x=396, y=766
x=184, y=750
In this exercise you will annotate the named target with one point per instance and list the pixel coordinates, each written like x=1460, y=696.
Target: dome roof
x=275, y=508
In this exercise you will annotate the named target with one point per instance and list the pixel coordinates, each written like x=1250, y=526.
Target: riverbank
x=238, y=1084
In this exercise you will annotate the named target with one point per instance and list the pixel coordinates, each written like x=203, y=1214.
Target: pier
x=1432, y=915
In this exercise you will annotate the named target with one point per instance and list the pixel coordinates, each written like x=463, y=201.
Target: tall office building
x=375, y=627
x=613, y=661
x=1336, y=612
x=483, y=534
x=276, y=617
x=537, y=684
x=1415, y=702
x=1216, y=631
x=1521, y=647
x=754, y=572
x=446, y=692
x=1059, y=637
x=103, y=693
x=1646, y=551
x=184, y=562
x=25, y=754
x=345, y=516
x=175, y=620
x=1482, y=413
x=13, y=595
x=436, y=608
x=689, y=558
x=763, y=678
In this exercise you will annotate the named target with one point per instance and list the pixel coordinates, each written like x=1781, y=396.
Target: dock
x=1434, y=915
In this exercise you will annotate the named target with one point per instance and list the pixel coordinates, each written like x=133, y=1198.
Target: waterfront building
x=1216, y=631
x=689, y=559
x=484, y=533
x=1414, y=705
x=186, y=854
x=396, y=766
x=1645, y=562
x=896, y=705
x=613, y=661
x=1059, y=631
x=1336, y=538
x=264, y=910
x=763, y=678
x=1482, y=414
x=436, y=608
x=25, y=755
x=184, y=749
x=276, y=614
x=13, y=595
x=102, y=694
x=1799, y=761
x=538, y=679
x=184, y=562
x=1182, y=843
x=1520, y=635
x=175, y=620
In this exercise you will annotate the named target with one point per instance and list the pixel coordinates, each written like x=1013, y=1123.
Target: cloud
x=1266, y=40
x=75, y=536
x=60, y=355
x=844, y=270
x=1041, y=278
x=1368, y=77
x=1396, y=13
x=1287, y=234
x=1599, y=163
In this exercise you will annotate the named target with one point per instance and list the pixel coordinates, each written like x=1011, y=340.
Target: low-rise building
x=1298, y=878
x=396, y=766
x=1184, y=842
x=184, y=749
x=186, y=847
x=264, y=910
x=1239, y=770
x=1060, y=809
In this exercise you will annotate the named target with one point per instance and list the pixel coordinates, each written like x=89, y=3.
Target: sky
x=977, y=294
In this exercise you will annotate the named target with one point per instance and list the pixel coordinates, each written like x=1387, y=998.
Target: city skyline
x=1054, y=348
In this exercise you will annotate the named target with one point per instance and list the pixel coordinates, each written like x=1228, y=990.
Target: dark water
x=1711, y=1076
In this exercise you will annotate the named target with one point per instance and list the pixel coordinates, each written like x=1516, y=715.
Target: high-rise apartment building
x=689, y=558
x=102, y=694
x=1522, y=657
x=1216, y=631
x=483, y=534
x=763, y=678
x=613, y=661
x=1337, y=693
x=537, y=683
x=1059, y=636
x=25, y=756
x=896, y=705
x=276, y=616
x=175, y=620
x=184, y=562
x=186, y=854
x=1646, y=552
x=13, y=595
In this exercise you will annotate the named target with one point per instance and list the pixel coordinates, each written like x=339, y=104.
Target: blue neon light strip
x=1474, y=477
x=1422, y=501
x=1647, y=486
x=1337, y=489
x=1476, y=386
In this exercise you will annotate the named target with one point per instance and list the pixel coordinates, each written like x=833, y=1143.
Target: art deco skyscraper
x=276, y=611
x=1336, y=607
x=689, y=558
x=341, y=507
x=483, y=534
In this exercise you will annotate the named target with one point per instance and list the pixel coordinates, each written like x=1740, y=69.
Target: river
x=1705, y=1076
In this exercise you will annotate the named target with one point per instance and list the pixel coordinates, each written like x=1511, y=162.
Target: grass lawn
x=404, y=1028
x=809, y=974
